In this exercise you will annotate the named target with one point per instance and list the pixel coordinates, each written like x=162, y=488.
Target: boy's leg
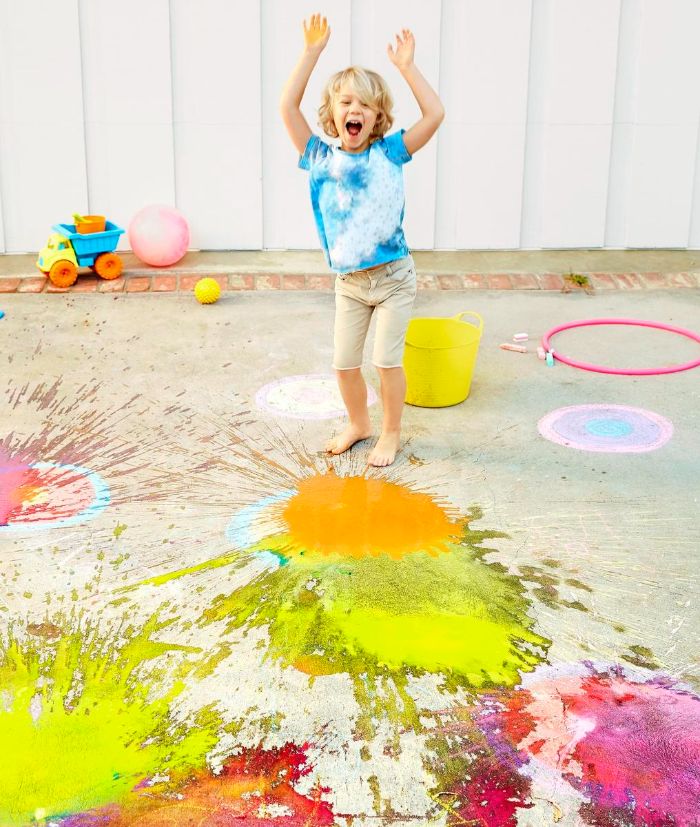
x=354, y=392
x=393, y=382
x=352, y=318
x=393, y=314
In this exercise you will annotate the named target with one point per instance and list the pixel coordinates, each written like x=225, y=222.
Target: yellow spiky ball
x=207, y=291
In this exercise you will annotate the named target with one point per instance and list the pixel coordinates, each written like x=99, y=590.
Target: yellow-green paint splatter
x=548, y=586
x=453, y=613
x=641, y=656
x=87, y=716
x=119, y=529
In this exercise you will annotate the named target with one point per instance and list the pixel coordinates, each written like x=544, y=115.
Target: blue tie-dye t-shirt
x=358, y=201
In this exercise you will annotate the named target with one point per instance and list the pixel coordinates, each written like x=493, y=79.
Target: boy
x=358, y=202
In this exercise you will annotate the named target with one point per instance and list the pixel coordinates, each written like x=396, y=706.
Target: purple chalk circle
x=308, y=396
x=606, y=428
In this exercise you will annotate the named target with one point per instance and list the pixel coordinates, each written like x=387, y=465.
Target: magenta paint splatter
x=310, y=396
x=631, y=747
x=606, y=428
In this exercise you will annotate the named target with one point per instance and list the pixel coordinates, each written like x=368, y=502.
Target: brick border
x=233, y=282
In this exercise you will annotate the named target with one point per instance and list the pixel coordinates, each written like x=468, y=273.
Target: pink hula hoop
x=622, y=372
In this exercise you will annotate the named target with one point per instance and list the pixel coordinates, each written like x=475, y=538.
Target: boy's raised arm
x=316, y=36
x=430, y=105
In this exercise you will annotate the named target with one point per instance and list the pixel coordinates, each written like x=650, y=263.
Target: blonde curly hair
x=372, y=90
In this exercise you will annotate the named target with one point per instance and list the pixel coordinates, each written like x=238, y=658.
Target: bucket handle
x=479, y=326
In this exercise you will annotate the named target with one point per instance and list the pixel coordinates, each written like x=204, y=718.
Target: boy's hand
x=402, y=58
x=316, y=34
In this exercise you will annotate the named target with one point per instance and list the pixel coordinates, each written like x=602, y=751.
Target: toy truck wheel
x=63, y=273
x=108, y=266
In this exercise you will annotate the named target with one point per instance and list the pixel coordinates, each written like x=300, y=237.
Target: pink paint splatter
x=632, y=748
x=40, y=495
x=17, y=480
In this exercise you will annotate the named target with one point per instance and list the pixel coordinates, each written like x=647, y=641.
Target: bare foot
x=347, y=438
x=385, y=450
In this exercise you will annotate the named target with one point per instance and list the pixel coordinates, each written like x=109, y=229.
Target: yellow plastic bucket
x=439, y=359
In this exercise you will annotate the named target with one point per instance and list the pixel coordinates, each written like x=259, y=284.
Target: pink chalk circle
x=606, y=428
x=159, y=235
x=681, y=331
x=307, y=396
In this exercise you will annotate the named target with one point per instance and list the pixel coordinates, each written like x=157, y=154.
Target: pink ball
x=159, y=235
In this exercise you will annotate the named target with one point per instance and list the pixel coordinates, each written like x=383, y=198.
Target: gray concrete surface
x=157, y=394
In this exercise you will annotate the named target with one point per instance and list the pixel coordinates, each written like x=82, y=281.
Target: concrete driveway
x=205, y=616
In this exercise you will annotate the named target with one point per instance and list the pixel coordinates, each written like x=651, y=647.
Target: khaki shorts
x=390, y=290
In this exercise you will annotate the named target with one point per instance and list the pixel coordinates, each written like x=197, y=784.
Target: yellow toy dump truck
x=67, y=249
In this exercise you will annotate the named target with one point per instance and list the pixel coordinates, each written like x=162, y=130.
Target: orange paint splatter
x=357, y=517
x=315, y=665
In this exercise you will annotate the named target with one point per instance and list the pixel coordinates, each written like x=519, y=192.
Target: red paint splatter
x=491, y=794
x=508, y=715
x=255, y=788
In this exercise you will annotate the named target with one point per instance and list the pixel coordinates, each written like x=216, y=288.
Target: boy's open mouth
x=353, y=127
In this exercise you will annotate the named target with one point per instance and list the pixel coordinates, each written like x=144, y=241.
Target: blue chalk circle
x=609, y=427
